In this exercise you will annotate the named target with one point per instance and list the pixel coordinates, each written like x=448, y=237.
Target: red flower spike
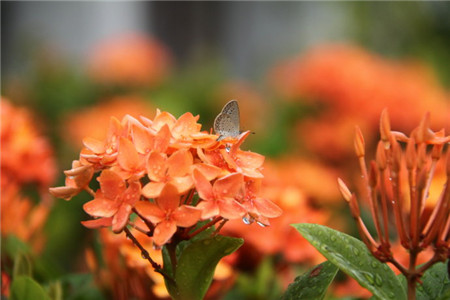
x=219, y=198
x=167, y=214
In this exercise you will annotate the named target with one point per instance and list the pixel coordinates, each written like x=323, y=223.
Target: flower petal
x=186, y=125
x=153, y=189
x=186, y=216
x=209, y=171
x=142, y=138
x=248, y=159
x=183, y=184
x=267, y=208
x=111, y=184
x=230, y=209
x=128, y=158
x=150, y=211
x=156, y=166
x=228, y=186
x=179, y=163
x=101, y=207
x=132, y=193
x=169, y=198
x=163, y=118
x=209, y=209
x=121, y=218
x=203, y=186
x=94, y=145
x=162, y=139
x=164, y=231
x=97, y=223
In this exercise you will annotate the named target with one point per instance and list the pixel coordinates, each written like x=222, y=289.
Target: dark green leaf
x=352, y=257
x=313, y=284
x=22, y=265
x=197, y=263
x=25, y=288
x=435, y=283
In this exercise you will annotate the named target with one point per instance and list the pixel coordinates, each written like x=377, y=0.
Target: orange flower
x=131, y=59
x=167, y=214
x=26, y=156
x=162, y=170
x=93, y=121
x=259, y=209
x=246, y=162
x=219, y=197
x=77, y=179
x=114, y=200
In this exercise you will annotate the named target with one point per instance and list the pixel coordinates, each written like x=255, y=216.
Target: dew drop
x=156, y=247
x=333, y=238
x=355, y=251
x=369, y=277
x=143, y=256
x=378, y=280
x=247, y=220
x=261, y=224
x=374, y=264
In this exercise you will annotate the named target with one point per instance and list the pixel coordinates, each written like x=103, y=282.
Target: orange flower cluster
x=355, y=87
x=131, y=59
x=26, y=159
x=156, y=168
x=26, y=156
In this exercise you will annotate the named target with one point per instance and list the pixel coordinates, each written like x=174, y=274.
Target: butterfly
x=227, y=123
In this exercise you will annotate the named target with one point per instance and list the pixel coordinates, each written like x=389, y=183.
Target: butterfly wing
x=227, y=122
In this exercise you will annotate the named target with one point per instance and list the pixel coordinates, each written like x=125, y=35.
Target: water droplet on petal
x=246, y=220
x=156, y=247
x=261, y=224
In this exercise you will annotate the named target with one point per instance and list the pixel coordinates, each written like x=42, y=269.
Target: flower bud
x=344, y=190
x=359, y=142
x=385, y=128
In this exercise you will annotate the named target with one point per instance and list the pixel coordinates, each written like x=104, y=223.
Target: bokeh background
x=304, y=73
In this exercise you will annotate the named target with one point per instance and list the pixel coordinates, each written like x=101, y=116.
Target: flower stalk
x=399, y=173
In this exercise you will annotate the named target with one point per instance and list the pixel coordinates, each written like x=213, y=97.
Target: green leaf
x=195, y=269
x=352, y=257
x=25, y=288
x=313, y=284
x=22, y=265
x=435, y=283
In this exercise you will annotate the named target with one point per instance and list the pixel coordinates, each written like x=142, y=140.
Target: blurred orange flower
x=20, y=217
x=93, y=121
x=26, y=156
x=355, y=87
x=132, y=59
